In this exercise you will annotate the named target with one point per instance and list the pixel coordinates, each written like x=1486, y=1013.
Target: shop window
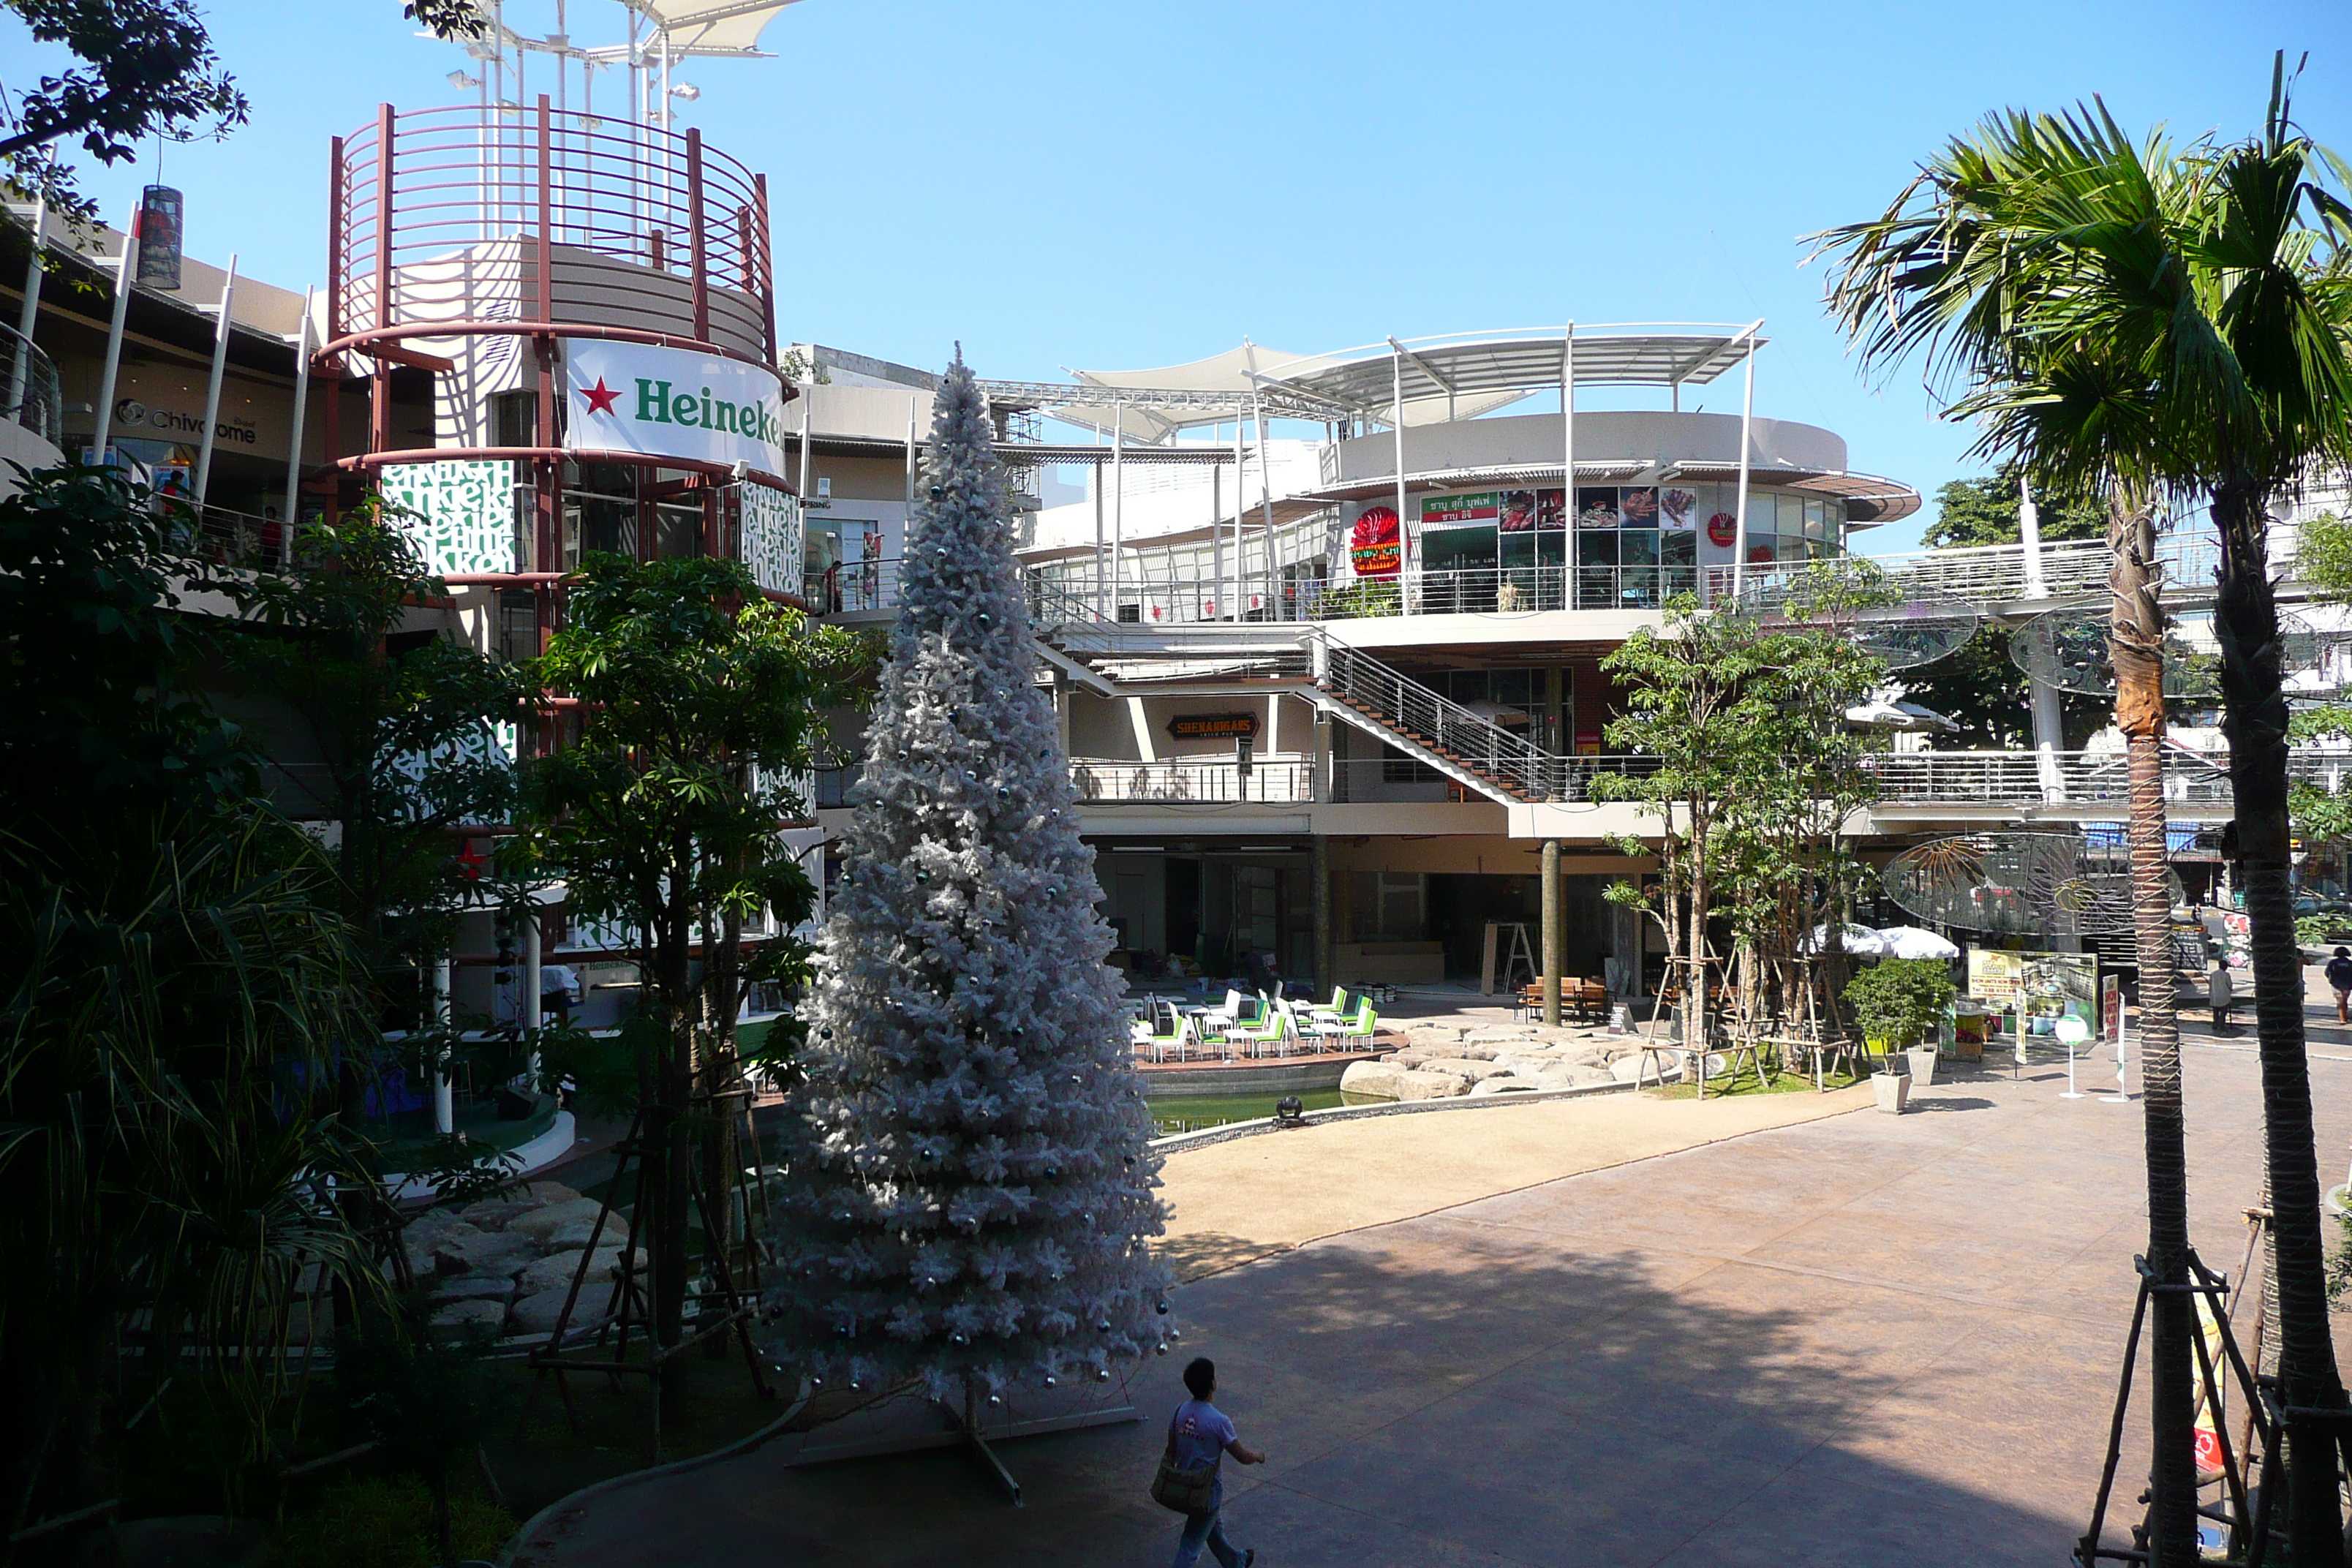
x=514, y=418
x=1638, y=547
x=1596, y=549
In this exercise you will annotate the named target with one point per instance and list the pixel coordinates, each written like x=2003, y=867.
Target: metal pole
x=213, y=384
x=1568, y=601
x=1396, y=358
x=910, y=465
x=696, y=251
x=445, y=1100
x=2029, y=536
x=1266, y=504
x=2049, y=730
x=1234, y=602
x=128, y=270
x=1118, y=498
x=28, y=317
x=1551, y=934
x=1102, y=595
x=1217, y=530
x=1747, y=423
x=294, y=441
x=532, y=960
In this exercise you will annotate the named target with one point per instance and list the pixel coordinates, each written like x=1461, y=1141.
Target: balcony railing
x=1904, y=778
x=1212, y=781
x=29, y=387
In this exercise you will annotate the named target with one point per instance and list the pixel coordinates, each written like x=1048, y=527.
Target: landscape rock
x=1490, y=1086
x=493, y=1214
x=575, y=1234
x=1574, y=1075
x=1379, y=1078
x=537, y=1314
x=553, y=1272
x=1420, y=1085
x=1434, y=1034
x=471, y=1315
x=1526, y=1064
x=1493, y=1034
x=485, y=1252
x=545, y=1193
x=542, y=1223
x=1461, y=1068
x=474, y=1287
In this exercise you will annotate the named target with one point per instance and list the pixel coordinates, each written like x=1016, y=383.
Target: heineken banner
x=673, y=403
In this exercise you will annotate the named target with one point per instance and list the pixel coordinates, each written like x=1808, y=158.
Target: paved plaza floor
x=1861, y=1339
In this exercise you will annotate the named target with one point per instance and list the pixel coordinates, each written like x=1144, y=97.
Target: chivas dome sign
x=673, y=403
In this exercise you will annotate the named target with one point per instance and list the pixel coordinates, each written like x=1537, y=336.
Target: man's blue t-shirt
x=1201, y=1433
x=2340, y=973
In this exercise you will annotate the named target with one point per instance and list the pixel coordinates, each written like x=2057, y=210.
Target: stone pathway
x=1862, y=1339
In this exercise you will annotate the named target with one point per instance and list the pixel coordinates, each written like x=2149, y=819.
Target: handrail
x=1441, y=726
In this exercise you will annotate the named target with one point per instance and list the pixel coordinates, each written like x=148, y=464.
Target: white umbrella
x=1858, y=941
x=1915, y=942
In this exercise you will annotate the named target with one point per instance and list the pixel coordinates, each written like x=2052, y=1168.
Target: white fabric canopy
x=710, y=26
x=1915, y=942
x=1858, y=941
x=1237, y=370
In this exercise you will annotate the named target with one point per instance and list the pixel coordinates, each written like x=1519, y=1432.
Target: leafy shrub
x=1896, y=999
x=387, y=1522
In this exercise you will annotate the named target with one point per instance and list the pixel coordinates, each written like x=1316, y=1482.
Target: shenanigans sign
x=673, y=403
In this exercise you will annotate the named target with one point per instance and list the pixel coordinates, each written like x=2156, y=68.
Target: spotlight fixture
x=463, y=82
x=686, y=91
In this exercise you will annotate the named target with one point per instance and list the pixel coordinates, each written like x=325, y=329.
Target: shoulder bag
x=1186, y=1491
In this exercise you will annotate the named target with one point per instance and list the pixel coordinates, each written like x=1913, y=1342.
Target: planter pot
x=1893, y=1091
x=1923, y=1065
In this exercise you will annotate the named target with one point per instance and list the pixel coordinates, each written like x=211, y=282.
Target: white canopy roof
x=1155, y=414
x=709, y=26
x=1462, y=368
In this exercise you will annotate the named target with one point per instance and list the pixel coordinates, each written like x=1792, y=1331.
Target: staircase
x=1466, y=747
x=1343, y=681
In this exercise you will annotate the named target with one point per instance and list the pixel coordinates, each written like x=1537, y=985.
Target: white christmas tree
x=968, y=1197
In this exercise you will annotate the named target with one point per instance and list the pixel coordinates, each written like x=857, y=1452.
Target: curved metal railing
x=29, y=387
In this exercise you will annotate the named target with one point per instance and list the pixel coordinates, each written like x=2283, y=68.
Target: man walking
x=2339, y=980
x=2221, y=995
x=1203, y=1435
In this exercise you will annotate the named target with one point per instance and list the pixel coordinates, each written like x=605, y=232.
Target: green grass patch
x=1747, y=1082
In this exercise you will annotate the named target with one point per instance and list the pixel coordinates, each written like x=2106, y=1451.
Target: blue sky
x=1117, y=184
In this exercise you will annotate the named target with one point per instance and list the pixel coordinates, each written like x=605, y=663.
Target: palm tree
x=2153, y=324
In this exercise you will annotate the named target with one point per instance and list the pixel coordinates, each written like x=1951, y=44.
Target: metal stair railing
x=1515, y=768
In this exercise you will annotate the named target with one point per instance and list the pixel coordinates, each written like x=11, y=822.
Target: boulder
x=1574, y=1075
x=490, y=1252
x=1526, y=1064
x=491, y=1315
x=553, y=1272
x=1495, y=1034
x=493, y=1214
x=1505, y=1086
x=573, y=1237
x=1469, y=1053
x=544, y=1193
x=542, y=1223
x=1413, y=1056
x=1429, y=1085
x=1461, y=1068
x=473, y=1288
x=1377, y=1078
x=1445, y=1035
x=536, y=1314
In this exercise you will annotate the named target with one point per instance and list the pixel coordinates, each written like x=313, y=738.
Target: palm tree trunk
x=2136, y=642
x=2246, y=624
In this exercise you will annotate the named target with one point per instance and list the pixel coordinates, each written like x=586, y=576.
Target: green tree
x=176, y=976
x=148, y=68
x=402, y=718
x=1974, y=512
x=1754, y=777
x=701, y=703
x=2154, y=323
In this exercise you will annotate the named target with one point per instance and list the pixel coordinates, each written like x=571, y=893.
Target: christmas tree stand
x=979, y=1423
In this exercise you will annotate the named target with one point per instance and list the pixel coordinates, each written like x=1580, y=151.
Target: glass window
x=1596, y=506
x=1596, y=548
x=1638, y=547
x=1458, y=549
x=1678, y=549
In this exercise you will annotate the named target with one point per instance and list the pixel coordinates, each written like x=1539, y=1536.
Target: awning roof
x=709, y=26
x=1224, y=384
x=1464, y=366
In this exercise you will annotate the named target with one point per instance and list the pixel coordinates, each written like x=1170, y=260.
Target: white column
x=529, y=1014
x=1273, y=722
x=1234, y=603
x=1265, y=503
x=1396, y=360
x=2029, y=537
x=1102, y=597
x=910, y=467
x=808, y=397
x=1567, y=475
x=1217, y=530
x=293, y=514
x=445, y=1100
x=2049, y=730
x=123, y=275
x=1747, y=426
x=1141, y=727
x=212, y=385
x=1118, y=501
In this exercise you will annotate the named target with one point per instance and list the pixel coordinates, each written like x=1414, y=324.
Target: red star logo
x=599, y=396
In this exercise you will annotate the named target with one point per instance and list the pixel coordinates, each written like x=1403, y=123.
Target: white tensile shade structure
x=1915, y=942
